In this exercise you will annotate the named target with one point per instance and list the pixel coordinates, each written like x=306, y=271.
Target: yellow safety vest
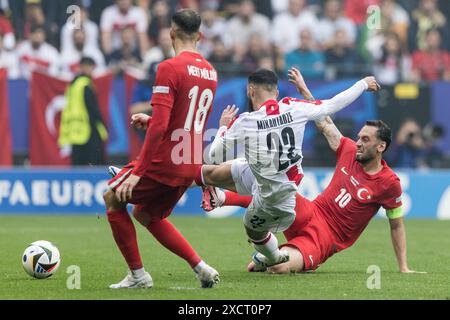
x=75, y=128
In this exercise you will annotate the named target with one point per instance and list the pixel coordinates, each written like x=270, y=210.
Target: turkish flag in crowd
x=46, y=104
x=102, y=86
x=5, y=132
x=134, y=141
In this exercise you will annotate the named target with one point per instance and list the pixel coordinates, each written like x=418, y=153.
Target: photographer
x=410, y=145
x=432, y=134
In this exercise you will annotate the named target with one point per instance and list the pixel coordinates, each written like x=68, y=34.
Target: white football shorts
x=260, y=215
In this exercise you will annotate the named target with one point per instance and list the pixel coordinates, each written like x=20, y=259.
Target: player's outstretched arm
x=398, y=235
x=343, y=99
x=295, y=77
x=330, y=131
x=324, y=124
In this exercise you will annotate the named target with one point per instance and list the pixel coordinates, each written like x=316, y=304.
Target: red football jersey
x=353, y=197
x=186, y=84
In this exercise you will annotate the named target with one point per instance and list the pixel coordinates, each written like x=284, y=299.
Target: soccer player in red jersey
x=182, y=97
x=362, y=183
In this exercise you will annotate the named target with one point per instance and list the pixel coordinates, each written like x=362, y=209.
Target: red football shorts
x=149, y=195
x=310, y=234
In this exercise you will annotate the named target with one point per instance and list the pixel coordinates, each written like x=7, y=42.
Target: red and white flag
x=134, y=141
x=46, y=104
x=6, y=158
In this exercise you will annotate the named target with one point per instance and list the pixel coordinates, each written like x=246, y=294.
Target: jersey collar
x=272, y=107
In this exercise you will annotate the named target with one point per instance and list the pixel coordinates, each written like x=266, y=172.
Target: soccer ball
x=41, y=259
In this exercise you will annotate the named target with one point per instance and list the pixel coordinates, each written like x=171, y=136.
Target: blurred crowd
x=417, y=147
x=397, y=40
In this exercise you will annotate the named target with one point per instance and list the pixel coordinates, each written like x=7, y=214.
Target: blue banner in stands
x=230, y=91
x=79, y=191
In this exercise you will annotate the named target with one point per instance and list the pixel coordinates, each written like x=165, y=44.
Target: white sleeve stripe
x=119, y=180
x=160, y=89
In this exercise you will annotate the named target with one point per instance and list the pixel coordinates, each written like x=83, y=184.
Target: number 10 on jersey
x=203, y=103
x=343, y=198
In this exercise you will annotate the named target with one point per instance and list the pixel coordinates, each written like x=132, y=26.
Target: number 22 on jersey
x=203, y=103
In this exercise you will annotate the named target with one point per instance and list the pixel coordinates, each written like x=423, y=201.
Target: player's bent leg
x=256, y=235
x=294, y=265
x=124, y=234
x=166, y=233
x=234, y=175
x=111, y=201
x=235, y=199
x=168, y=236
x=160, y=201
x=268, y=254
x=219, y=176
x=215, y=176
x=142, y=217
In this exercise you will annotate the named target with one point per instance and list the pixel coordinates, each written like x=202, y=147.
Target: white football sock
x=201, y=265
x=138, y=273
x=269, y=248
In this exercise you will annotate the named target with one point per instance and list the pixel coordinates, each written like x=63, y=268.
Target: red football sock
x=124, y=234
x=166, y=233
x=234, y=199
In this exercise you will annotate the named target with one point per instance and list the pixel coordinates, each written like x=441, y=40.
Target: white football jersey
x=272, y=138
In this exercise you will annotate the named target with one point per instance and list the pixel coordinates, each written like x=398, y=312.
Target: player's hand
x=296, y=78
x=251, y=266
x=140, y=120
x=407, y=270
x=372, y=83
x=228, y=115
x=125, y=190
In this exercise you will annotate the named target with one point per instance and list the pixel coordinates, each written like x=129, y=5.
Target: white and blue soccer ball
x=41, y=259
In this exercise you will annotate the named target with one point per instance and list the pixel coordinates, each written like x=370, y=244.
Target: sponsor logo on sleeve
x=160, y=89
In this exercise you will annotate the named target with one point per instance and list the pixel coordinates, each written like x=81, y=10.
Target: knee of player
x=111, y=201
x=107, y=196
x=206, y=173
x=283, y=268
x=210, y=174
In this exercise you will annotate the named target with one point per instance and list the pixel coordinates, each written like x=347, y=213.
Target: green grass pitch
x=86, y=241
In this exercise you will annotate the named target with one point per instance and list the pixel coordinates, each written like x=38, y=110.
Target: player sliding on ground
x=272, y=136
x=362, y=183
x=182, y=96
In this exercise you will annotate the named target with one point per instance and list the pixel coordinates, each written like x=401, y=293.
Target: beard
x=364, y=158
x=35, y=45
x=250, y=105
x=361, y=159
x=79, y=46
